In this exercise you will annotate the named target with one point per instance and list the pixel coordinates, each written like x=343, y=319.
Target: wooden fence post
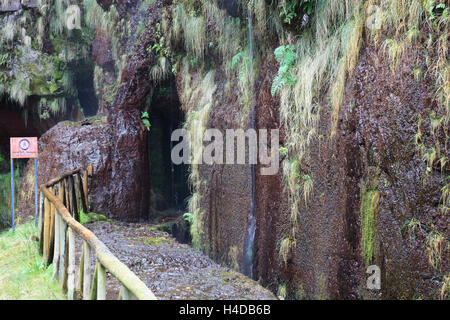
x=41, y=223
x=71, y=265
x=85, y=186
x=56, y=254
x=63, y=258
x=46, y=229
x=94, y=283
x=86, y=271
x=57, y=234
x=73, y=199
x=101, y=285
x=81, y=194
x=51, y=244
x=61, y=191
x=80, y=281
x=66, y=196
x=57, y=229
x=124, y=293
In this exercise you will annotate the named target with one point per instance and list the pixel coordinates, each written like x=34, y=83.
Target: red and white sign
x=24, y=147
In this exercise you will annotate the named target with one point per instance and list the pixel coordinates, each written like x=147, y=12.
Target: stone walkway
x=170, y=269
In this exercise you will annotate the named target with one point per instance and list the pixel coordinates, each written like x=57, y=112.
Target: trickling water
x=247, y=260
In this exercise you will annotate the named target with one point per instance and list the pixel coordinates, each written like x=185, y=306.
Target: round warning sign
x=24, y=144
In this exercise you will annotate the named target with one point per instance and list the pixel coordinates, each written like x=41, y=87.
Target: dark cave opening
x=16, y=121
x=169, y=188
x=23, y=120
x=86, y=92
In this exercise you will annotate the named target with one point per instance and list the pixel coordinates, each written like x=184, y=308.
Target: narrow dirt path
x=170, y=269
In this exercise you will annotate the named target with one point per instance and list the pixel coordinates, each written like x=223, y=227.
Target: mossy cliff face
x=40, y=59
x=405, y=209
x=121, y=189
x=354, y=183
x=363, y=127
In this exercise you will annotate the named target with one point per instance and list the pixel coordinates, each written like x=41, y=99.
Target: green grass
x=282, y=291
x=23, y=275
x=5, y=195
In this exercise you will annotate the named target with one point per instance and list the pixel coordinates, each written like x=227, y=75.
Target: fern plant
x=189, y=217
x=285, y=56
x=243, y=57
x=435, y=11
x=288, y=12
x=145, y=120
x=159, y=47
x=4, y=59
x=291, y=10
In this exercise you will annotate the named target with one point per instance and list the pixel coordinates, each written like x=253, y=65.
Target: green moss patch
x=93, y=121
x=369, y=207
x=92, y=217
x=152, y=241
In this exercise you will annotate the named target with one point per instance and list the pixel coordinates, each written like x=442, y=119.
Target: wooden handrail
x=54, y=181
x=57, y=227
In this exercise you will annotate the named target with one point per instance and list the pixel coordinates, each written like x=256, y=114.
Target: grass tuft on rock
x=369, y=206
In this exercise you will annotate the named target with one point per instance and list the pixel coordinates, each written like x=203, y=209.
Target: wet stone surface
x=170, y=269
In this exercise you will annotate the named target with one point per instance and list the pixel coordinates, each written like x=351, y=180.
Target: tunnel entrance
x=84, y=82
x=169, y=188
x=16, y=121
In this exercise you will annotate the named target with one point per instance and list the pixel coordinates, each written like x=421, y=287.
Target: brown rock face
x=116, y=147
x=374, y=146
x=130, y=169
x=101, y=51
x=68, y=146
x=378, y=123
x=117, y=186
x=227, y=193
x=130, y=185
x=105, y=3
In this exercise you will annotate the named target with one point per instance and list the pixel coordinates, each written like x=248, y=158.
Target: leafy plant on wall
x=285, y=56
x=435, y=10
x=292, y=10
x=145, y=120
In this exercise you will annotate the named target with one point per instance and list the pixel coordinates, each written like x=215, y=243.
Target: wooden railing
x=60, y=202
